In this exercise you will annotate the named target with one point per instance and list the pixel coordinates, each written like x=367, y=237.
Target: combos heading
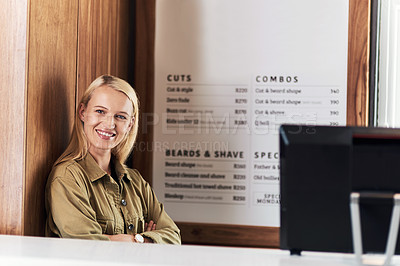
x=276, y=79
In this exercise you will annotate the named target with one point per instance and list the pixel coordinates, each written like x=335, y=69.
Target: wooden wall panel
x=358, y=63
x=144, y=85
x=358, y=60
x=103, y=44
x=51, y=98
x=13, y=19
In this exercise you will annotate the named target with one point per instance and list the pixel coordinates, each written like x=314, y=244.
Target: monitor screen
x=320, y=167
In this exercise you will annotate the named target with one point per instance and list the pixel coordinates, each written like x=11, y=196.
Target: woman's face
x=107, y=119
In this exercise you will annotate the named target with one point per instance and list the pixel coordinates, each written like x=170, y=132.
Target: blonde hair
x=78, y=146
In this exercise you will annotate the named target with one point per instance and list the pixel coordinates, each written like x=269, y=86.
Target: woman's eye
x=120, y=117
x=100, y=112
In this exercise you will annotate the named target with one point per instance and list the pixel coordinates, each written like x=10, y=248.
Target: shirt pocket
x=135, y=224
x=107, y=225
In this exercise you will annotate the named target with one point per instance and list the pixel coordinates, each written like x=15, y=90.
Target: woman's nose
x=109, y=121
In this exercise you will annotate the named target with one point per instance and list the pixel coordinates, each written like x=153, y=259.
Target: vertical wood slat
x=357, y=114
x=123, y=33
x=144, y=85
x=103, y=40
x=51, y=98
x=13, y=21
x=358, y=63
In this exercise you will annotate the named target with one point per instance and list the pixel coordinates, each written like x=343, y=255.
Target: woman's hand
x=151, y=226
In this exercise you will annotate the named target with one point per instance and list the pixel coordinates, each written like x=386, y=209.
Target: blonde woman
x=90, y=193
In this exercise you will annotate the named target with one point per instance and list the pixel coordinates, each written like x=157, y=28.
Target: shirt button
x=123, y=202
x=130, y=227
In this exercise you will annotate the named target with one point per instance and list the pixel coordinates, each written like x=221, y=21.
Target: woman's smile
x=104, y=134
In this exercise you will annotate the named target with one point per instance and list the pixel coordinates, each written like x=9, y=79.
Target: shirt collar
x=95, y=172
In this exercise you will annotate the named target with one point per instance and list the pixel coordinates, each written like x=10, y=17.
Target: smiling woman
x=90, y=193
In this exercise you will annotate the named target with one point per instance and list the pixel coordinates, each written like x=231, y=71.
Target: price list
x=275, y=104
x=224, y=83
x=236, y=163
x=213, y=170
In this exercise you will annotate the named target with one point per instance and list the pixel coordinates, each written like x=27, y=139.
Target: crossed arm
x=151, y=226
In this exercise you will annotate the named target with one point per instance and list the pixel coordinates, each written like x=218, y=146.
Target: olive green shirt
x=83, y=201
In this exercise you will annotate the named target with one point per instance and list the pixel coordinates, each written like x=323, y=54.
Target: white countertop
x=20, y=250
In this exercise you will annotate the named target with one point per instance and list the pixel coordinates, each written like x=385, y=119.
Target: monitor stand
x=356, y=225
x=295, y=252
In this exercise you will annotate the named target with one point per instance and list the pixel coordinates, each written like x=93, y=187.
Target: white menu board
x=228, y=73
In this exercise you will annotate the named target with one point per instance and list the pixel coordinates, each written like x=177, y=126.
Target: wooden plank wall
x=357, y=105
x=60, y=47
x=13, y=18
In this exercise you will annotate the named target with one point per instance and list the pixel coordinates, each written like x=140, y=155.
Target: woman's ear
x=132, y=122
x=82, y=112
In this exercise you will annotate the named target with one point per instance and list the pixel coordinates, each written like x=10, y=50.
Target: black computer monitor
x=320, y=167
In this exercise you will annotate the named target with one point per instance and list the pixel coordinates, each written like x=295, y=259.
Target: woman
x=90, y=193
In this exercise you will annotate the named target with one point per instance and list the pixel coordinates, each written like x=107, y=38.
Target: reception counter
x=20, y=250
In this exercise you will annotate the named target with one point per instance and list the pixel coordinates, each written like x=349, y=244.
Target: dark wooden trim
x=229, y=235
x=373, y=60
x=144, y=85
